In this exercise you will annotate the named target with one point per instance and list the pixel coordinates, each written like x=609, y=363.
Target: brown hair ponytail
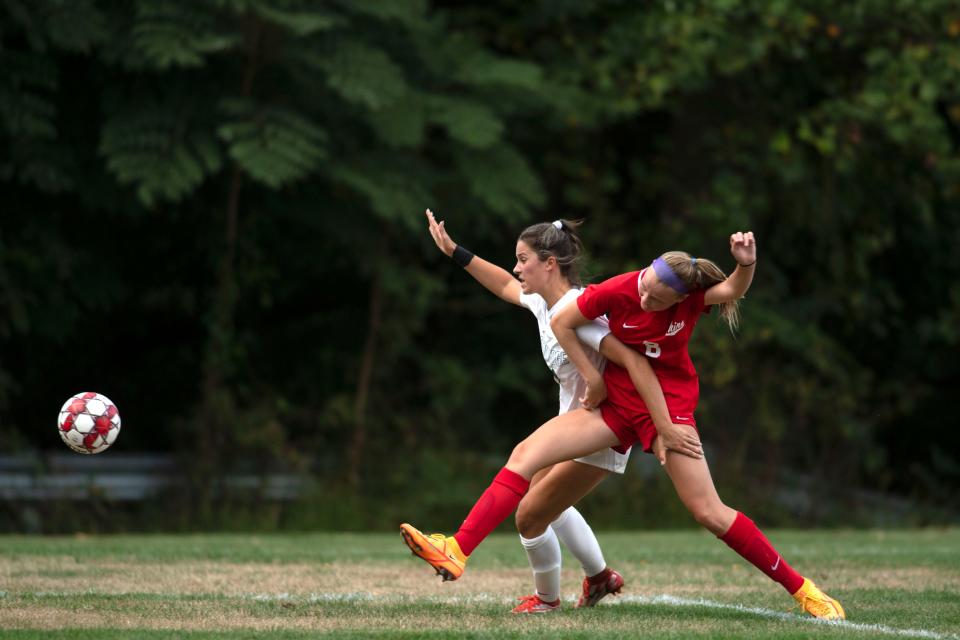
x=557, y=239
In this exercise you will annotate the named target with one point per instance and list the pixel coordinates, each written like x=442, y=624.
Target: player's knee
x=709, y=515
x=530, y=521
x=518, y=456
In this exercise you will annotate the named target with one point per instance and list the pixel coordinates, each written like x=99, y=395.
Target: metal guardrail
x=120, y=477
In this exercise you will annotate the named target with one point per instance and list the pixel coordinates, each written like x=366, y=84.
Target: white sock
x=544, y=555
x=577, y=536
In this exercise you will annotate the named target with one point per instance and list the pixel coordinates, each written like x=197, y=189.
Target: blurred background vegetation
x=213, y=214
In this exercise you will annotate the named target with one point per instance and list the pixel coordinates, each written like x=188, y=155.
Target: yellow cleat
x=817, y=603
x=440, y=552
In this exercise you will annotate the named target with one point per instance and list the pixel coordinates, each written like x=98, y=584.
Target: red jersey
x=660, y=335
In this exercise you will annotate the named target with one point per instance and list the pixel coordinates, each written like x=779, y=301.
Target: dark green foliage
x=220, y=204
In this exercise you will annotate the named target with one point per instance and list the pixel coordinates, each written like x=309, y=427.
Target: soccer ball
x=89, y=422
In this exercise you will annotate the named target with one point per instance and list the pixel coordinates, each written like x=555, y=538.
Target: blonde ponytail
x=700, y=273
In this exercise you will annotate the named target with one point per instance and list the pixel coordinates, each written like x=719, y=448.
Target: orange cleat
x=817, y=603
x=440, y=552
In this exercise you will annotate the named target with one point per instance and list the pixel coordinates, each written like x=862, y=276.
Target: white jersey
x=572, y=385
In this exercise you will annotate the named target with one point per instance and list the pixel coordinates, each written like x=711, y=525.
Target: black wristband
x=748, y=265
x=462, y=256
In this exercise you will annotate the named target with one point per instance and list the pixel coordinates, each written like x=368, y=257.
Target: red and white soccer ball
x=89, y=422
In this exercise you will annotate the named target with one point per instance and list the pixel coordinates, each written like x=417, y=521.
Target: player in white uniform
x=546, y=268
x=571, y=383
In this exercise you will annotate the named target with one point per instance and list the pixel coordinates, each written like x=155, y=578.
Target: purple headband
x=668, y=277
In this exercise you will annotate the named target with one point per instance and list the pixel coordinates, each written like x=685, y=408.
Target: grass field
x=686, y=584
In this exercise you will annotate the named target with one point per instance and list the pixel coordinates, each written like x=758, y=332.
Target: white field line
x=770, y=613
x=664, y=599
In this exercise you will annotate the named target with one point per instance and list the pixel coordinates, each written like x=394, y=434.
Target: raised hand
x=743, y=246
x=439, y=234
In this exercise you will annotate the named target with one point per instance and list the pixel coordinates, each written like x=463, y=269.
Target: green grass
x=684, y=584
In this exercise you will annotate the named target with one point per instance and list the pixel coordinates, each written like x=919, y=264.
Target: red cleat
x=533, y=604
x=607, y=581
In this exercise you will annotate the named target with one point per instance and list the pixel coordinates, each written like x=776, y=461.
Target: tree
x=215, y=209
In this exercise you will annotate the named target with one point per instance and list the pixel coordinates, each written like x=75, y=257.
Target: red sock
x=497, y=502
x=746, y=539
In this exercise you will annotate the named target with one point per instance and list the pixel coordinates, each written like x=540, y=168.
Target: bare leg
x=565, y=484
x=568, y=436
x=565, y=437
x=691, y=478
x=538, y=476
x=694, y=484
x=546, y=516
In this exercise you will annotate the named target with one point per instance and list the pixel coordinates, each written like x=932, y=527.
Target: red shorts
x=635, y=427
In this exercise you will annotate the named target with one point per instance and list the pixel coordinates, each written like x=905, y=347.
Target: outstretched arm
x=495, y=279
x=743, y=247
x=676, y=437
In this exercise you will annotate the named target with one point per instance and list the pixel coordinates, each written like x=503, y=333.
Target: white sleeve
x=527, y=300
x=593, y=333
x=536, y=304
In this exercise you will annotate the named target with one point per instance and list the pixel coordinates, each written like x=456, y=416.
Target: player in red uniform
x=654, y=311
x=547, y=279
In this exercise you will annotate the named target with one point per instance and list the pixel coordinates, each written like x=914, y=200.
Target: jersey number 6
x=653, y=349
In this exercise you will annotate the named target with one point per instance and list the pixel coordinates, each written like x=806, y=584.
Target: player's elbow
x=740, y=289
x=725, y=292
x=558, y=325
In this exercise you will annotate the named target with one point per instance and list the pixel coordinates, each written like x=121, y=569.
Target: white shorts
x=607, y=459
